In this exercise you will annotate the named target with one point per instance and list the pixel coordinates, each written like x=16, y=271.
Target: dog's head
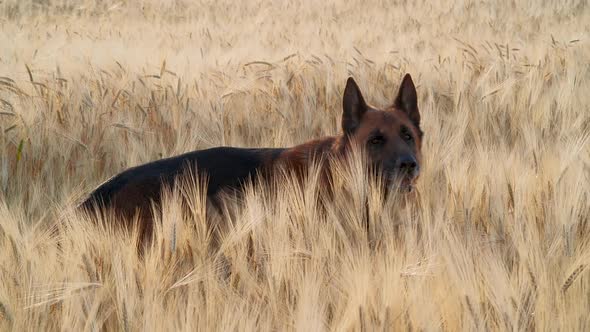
x=391, y=137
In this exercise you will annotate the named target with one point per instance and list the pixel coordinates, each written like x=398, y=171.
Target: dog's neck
x=313, y=151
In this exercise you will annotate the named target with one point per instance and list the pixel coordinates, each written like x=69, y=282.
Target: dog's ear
x=407, y=100
x=353, y=107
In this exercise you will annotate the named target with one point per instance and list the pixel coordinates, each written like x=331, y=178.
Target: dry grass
x=497, y=238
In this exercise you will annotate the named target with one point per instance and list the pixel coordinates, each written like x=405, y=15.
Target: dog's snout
x=407, y=164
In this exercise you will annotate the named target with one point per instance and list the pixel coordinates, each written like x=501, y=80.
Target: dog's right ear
x=354, y=107
x=407, y=99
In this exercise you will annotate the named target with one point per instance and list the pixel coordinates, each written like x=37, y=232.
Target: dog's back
x=132, y=190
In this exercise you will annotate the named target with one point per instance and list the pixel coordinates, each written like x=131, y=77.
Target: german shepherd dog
x=392, y=139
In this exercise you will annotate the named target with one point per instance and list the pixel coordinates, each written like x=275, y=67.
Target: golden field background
x=496, y=238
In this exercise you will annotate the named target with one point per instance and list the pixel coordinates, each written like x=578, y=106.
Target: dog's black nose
x=407, y=164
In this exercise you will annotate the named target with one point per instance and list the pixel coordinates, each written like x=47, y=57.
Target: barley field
x=495, y=238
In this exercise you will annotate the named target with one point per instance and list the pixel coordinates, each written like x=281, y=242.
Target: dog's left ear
x=353, y=106
x=407, y=100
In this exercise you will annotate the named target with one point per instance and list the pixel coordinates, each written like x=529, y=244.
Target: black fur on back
x=225, y=168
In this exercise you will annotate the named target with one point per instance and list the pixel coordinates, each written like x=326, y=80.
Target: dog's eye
x=377, y=140
x=406, y=135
